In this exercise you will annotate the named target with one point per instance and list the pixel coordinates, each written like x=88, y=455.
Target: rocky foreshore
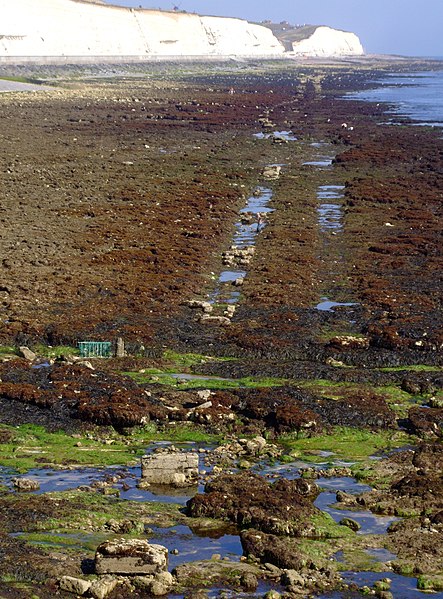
x=307, y=375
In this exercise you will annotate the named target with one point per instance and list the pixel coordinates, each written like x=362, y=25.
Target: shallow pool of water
x=320, y=162
x=217, y=593
x=286, y=135
x=196, y=545
x=327, y=305
x=231, y=275
x=402, y=587
x=370, y=523
x=245, y=235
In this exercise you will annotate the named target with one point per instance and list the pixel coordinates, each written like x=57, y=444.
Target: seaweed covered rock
x=301, y=573
x=416, y=486
x=271, y=549
x=288, y=409
x=426, y=422
x=93, y=396
x=248, y=500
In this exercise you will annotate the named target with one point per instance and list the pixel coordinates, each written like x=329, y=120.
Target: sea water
x=418, y=96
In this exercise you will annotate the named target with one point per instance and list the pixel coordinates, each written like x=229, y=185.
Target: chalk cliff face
x=76, y=28
x=325, y=41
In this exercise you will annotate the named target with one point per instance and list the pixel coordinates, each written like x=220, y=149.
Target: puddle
x=17, y=86
x=292, y=470
x=126, y=478
x=402, y=587
x=342, y=483
x=231, y=275
x=330, y=215
x=329, y=192
x=222, y=592
x=320, y=162
x=322, y=159
x=381, y=555
x=326, y=305
x=64, y=480
x=286, y=135
x=370, y=523
x=196, y=545
x=246, y=231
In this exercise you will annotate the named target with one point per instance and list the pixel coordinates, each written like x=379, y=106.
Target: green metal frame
x=95, y=349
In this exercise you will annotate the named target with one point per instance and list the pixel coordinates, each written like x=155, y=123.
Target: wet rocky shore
x=268, y=252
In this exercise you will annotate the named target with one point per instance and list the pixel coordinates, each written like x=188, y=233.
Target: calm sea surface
x=415, y=95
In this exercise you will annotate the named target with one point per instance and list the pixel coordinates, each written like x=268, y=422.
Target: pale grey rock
x=77, y=586
x=103, y=587
x=130, y=557
x=229, y=312
x=291, y=578
x=25, y=484
x=201, y=305
x=203, y=406
x=26, y=353
x=271, y=172
x=217, y=320
x=120, y=348
x=176, y=469
x=162, y=584
x=256, y=445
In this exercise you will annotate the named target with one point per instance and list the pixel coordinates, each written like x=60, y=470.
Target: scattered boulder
x=278, y=139
x=238, y=257
x=26, y=353
x=158, y=585
x=271, y=548
x=78, y=586
x=201, y=305
x=130, y=557
x=426, y=422
x=218, y=320
x=350, y=523
x=292, y=578
x=25, y=484
x=349, y=342
x=175, y=469
x=256, y=445
x=230, y=311
x=271, y=172
x=103, y=587
x=345, y=498
x=214, y=572
x=248, y=581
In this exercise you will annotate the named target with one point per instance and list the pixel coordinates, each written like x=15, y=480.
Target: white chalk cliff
x=75, y=28
x=328, y=42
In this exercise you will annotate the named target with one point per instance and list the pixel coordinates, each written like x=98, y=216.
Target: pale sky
x=407, y=27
